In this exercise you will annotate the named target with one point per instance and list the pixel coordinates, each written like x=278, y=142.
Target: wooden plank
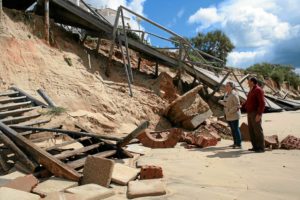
x=140, y=129
x=15, y=105
x=80, y=134
x=51, y=163
x=66, y=143
x=16, y=112
x=44, y=95
x=36, y=132
x=16, y=120
x=10, y=93
x=22, y=156
x=34, y=123
x=41, y=139
x=80, y=162
x=74, y=152
x=14, y=99
x=31, y=98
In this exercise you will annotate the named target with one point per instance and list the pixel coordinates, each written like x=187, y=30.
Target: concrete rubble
x=290, y=142
x=122, y=174
x=144, y=188
x=91, y=192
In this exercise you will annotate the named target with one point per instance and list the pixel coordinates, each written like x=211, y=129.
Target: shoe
x=237, y=147
x=252, y=149
x=233, y=145
x=259, y=151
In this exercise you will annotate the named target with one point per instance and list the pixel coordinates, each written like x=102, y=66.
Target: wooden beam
x=74, y=152
x=22, y=156
x=35, y=132
x=136, y=132
x=47, y=20
x=51, y=163
x=80, y=162
x=31, y=98
x=14, y=99
x=80, y=134
x=15, y=105
x=16, y=120
x=156, y=70
x=16, y=112
x=66, y=143
x=44, y=95
x=10, y=93
x=34, y=123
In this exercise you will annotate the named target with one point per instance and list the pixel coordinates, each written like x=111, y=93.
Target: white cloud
x=180, y=13
x=258, y=28
x=297, y=70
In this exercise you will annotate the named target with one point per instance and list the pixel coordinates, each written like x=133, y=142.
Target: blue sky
x=261, y=30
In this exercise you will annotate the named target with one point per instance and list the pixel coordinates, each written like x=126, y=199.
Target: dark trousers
x=235, y=130
x=256, y=132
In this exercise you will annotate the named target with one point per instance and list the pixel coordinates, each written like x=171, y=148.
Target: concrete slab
x=98, y=171
x=8, y=177
x=62, y=196
x=91, y=192
x=143, y=188
x=53, y=184
x=12, y=194
x=122, y=174
x=138, y=148
x=24, y=183
x=130, y=162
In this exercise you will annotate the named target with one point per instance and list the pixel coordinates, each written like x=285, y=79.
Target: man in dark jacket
x=254, y=106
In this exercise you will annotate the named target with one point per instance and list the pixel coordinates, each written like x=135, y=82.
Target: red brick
x=204, y=141
x=272, y=142
x=24, y=183
x=151, y=172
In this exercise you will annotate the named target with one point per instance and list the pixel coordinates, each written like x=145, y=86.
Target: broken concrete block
x=272, y=142
x=130, y=162
x=122, y=174
x=9, y=177
x=98, y=171
x=91, y=192
x=53, y=184
x=188, y=110
x=290, y=142
x=62, y=196
x=204, y=141
x=24, y=183
x=151, y=172
x=145, y=188
x=13, y=194
x=167, y=139
x=138, y=148
x=245, y=132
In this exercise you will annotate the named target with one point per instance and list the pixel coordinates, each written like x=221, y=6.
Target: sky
x=261, y=30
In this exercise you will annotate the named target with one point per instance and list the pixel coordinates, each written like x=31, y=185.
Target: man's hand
x=258, y=118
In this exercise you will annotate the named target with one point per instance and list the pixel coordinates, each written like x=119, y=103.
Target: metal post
x=156, y=70
x=139, y=63
x=220, y=84
x=239, y=83
x=111, y=51
x=47, y=21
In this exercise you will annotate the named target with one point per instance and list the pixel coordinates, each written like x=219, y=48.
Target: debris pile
x=290, y=142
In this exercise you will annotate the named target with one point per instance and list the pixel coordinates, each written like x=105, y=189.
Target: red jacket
x=255, y=101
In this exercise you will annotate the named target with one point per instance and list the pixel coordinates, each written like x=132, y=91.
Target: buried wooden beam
x=80, y=134
x=74, y=152
x=15, y=105
x=136, y=132
x=13, y=99
x=16, y=112
x=80, y=162
x=51, y=163
x=31, y=98
x=10, y=93
x=16, y=120
x=22, y=156
x=44, y=95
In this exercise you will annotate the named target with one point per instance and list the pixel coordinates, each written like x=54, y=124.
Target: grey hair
x=231, y=84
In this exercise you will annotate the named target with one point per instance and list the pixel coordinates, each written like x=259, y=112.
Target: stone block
x=91, y=192
x=13, y=194
x=98, y=171
x=151, y=172
x=24, y=183
x=143, y=188
x=9, y=177
x=62, y=196
x=138, y=148
x=53, y=184
x=245, y=132
x=204, y=141
x=122, y=174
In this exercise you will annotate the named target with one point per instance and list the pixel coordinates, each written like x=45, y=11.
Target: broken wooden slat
x=80, y=134
x=14, y=99
x=140, y=129
x=15, y=105
x=67, y=154
x=10, y=93
x=31, y=98
x=3, y=163
x=67, y=143
x=35, y=123
x=16, y=120
x=22, y=157
x=36, y=132
x=80, y=162
x=49, y=101
x=16, y=112
x=51, y=163
x=41, y=139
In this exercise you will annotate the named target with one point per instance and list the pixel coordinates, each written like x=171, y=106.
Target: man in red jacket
x=254, y=106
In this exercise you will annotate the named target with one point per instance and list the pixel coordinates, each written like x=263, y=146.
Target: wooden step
x=9, y=93
x=16, y=112
x=15, y=105
x=14, y=99
x=16, y=120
